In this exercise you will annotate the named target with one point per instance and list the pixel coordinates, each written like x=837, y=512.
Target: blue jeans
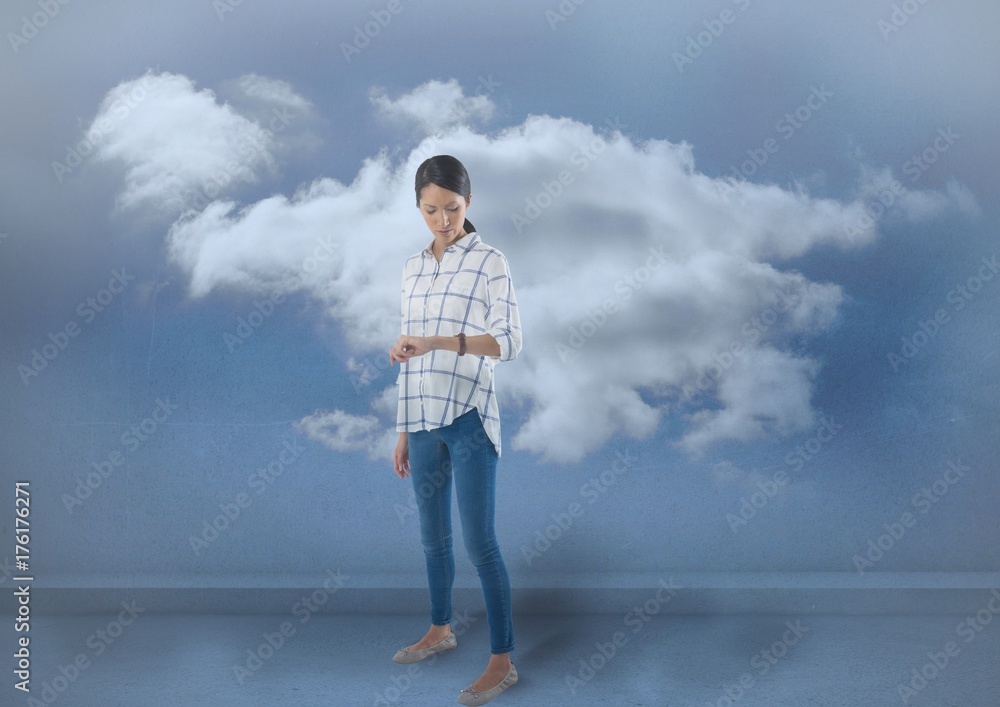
x=461, y=450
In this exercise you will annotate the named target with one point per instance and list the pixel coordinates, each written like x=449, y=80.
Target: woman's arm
x=401, y=457
x=479, y=345
x=406, y=347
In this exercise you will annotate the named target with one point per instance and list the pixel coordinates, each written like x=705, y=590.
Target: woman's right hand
x=401, y=457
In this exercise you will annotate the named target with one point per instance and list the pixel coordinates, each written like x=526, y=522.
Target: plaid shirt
x=469, y=291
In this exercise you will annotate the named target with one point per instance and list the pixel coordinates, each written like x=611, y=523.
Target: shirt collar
x=466, y=243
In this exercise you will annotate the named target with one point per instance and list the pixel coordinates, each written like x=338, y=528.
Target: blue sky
x=817, y=184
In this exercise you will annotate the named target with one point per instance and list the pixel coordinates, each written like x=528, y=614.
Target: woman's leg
x=430, y=470
x=474, y=460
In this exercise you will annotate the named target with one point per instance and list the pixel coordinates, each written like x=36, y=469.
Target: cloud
x=765, y=390
x=290, y=118
x=646, y=287
x=180, y=147
x=273, y=92
x=434, y=107
x=887, y=198
x=344, y=432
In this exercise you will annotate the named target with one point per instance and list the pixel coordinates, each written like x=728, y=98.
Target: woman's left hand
x=406, y=347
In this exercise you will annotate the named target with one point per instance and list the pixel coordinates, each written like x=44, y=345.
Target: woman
x=460, y=318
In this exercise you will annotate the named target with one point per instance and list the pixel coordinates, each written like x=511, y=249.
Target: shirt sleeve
x=503, y=321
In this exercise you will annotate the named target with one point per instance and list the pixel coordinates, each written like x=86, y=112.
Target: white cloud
x=889, y=199
x=344, y=432
x=290, y=118
x=180, y=147
x=764, y=391
x=273, y=92
x=591, y=223
x=433, y=107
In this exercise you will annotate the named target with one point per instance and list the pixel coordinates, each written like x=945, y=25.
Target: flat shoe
x=468, y=696
x=407, y=655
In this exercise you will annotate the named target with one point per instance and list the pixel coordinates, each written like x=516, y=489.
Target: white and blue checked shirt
x=469, y=291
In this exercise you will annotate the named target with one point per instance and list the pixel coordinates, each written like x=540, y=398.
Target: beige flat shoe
x=406, y=655
x=468, y=696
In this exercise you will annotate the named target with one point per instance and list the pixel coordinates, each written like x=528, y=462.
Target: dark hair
x=448, y=173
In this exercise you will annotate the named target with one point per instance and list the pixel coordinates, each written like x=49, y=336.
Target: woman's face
x=444, y=212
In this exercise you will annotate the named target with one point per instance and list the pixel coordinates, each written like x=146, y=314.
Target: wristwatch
x=461, y=344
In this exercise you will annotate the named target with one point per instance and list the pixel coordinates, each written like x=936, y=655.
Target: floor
x=146, y=660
